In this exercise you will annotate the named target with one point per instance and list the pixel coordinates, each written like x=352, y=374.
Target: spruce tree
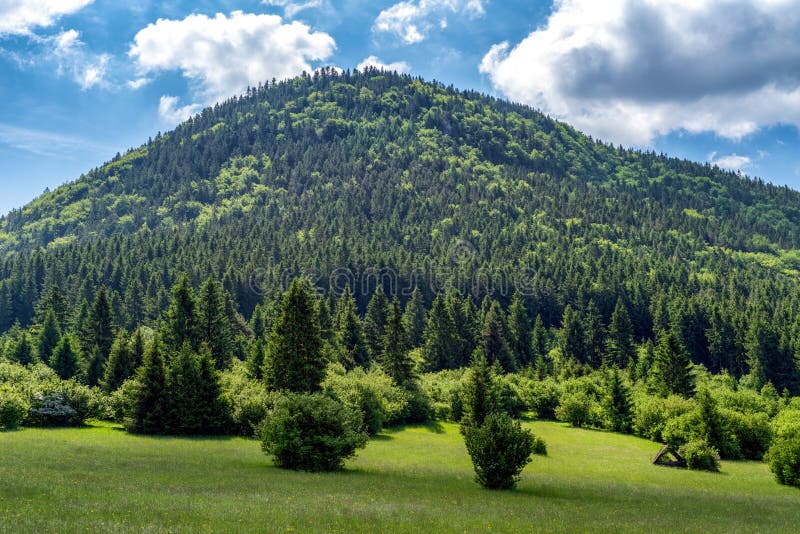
x=56, y=302
x=48, y=337
x=294, y=359
x=22, y=351
x=617, y=403
x=375, y=322
x=395, y=360
x=349, y=336
x=572, y=339
x=255, y=359
x=183, y=393
x=493, y=340
x=120, y=365
x=180, y=320
x=620, y=347
x=138, y=347
x=539, y=347
x=415, y=319
x=100, y=330
x=520, y=331
x=672, y=369
x=212, y=407
x=464, y=317
x=595, y=335
x=214, y=326
x=65, y=360
x=149, y=410
x=440, y=337
x=258, y=323
x=478, y=395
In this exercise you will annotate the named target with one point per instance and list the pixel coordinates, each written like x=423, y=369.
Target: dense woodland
x=457, y=223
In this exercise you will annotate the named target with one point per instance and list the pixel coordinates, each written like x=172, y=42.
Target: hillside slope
x=345, y=175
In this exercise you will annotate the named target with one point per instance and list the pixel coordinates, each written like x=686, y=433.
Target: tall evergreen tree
x=395, y=359
x=99, y=336
x=120, y=365
x=349, y=336
x=520, y=331
x=180, y=320
x=294, y=359
x=22, y=352
x=572, y=338
x=375, y=322
x=618, y=403
x=595, y=335
x=620, y=346
x=493, y=340
x=138, y=347
x=149, y=410
x=415, y=319
x=479, y=392
x=672, y=368
x=255, y=359
x=463, y=316
x=48, y=337
x=65, y=358
x=440, y=337
x=213, y=323
x=539, y=347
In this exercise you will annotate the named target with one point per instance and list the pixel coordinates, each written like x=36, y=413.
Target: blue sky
x=707, y=80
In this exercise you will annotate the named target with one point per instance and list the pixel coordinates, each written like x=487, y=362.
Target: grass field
x=409, y=480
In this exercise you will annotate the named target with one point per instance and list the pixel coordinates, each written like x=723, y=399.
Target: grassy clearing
x=408, y=480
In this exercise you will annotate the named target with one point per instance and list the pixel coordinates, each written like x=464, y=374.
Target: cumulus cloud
x=373, y=61
x=222, y=55
x=290, y=9
x=172, y=113
x=630, y=70
x=19, y=17
x=86, y=68
x=731, y=162
x=413, y=20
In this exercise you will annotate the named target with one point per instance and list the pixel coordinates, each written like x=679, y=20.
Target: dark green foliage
x=539, y=446
x=395, y=360
x=464, y=318
x=375, y=321
x=700, y=455
x=349, y=337
x=99, y=335
x=180, y=320
x=213, y=324
x=595, y=336
x=617, y=403
x=619, y=345
x=478, y=395
x=48, y=337
x=65, y=360
x=539, y=348
x=137, y=347
x=572, y=339
x=784, y=461
x=255, y=359
x=671, y=371
x=149, y=411
x=500, y=449
x=121, y=364
x=520, y=331
x=493, y=340
x=440, y=337
x=311, y=432
x=415, y=319
x=22, y=351
x=294, y=359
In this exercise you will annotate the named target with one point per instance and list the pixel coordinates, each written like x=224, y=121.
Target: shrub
x=543, y=398
x=13, y=409
x=443, y=390
x=699, y=455
x=500, y=448
x=784, y=461
x=539, y=446
x=371, y=392
x=650, y=414
x=786, y=424
x=64, y=403
x=120, y=402
x=311, y=432
x=248, y=399
x=576, y=409
x=752, y=432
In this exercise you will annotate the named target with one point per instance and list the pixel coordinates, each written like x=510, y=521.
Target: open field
x=413, y=479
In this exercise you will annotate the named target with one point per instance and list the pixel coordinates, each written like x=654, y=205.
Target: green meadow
x=413, y=479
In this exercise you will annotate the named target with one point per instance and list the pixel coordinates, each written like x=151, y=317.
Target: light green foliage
x=699, y=455
x=500, y=448
x=13, y=408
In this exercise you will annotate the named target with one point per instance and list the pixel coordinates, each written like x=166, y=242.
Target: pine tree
x=375, y=322
x=479, y=392
x=672, y=368
x=97, y=344
x=325, y=319
x=395, y=360
x=464, y=317
x=519, y=331
x=255, y=359
x=22, y=352
x=120, y=365
x=539, y=348
x=213, y=409
x=493, y=340
x=183, y=394
x=214, y=326
x=620, y=347
x=48, y=337
x=294, y=359
x=258, y=323
x=65, y=358
x=595, y=335
x=138, y=347
x=149, y=410
x=572, y=341
x=349, y=335
x=617, y=403
x=440, y=337
x=415, y=319
x=56, y=302
x=180, y=320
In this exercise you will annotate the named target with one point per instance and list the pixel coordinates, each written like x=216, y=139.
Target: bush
x=543, y=398
x=13, y=409
x=650, y=414
x=699, y=455
x=372, y=393
x=248, y=399
x=784, y=461
x=443, y=390
x=576, y=409
x=539, y=446
x=786, y=424
x=752, y=432
x=311, y=432
x=120, y=402
x=500, y=449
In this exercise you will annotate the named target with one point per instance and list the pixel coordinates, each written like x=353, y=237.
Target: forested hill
x=365, y=172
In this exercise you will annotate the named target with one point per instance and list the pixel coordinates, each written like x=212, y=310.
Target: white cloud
x=412, y=20
x=731, y=162
x=629, y=70
x=138, y=83
x=290, y=9
x=172, y=114
x=48, y=144
x=85, y=68
x=19, y=17
x=373, y=61
x=224, y=54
